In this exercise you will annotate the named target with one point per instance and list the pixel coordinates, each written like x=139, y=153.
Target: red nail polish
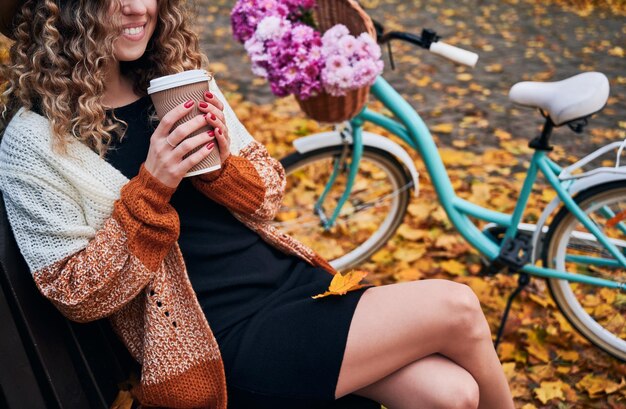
x=213, y=117
x=189, y=104
x=219, y=130
x=210, y=146
x=203, y=104
x=211, y=133
x=208, y=95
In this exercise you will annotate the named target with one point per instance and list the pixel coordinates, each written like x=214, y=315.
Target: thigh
x=397, y=324
x=431, y=382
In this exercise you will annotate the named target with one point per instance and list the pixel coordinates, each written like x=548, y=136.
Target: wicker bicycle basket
x=325, y=107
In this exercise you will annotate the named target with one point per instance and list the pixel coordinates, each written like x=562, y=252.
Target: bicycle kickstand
x=522, y=281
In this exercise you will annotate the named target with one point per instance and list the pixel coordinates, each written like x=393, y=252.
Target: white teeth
x=133, y=30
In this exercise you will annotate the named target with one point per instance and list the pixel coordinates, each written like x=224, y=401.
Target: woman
x=207, y=296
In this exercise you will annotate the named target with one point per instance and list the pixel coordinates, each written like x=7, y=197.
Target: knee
x=462, y=395
x=467, y=317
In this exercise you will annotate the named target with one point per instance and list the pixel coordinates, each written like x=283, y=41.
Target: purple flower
x=248, y=13
x=288, y=55
x=295, y=58
x=351, y=63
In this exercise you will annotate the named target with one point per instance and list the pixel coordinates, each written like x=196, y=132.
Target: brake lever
x=393, y=66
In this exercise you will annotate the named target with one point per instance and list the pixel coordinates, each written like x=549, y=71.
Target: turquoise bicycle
x=356, y=183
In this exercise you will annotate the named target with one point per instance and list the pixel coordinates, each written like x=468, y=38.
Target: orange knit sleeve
x=237, y=185
x=150, y=222
x=250, y=184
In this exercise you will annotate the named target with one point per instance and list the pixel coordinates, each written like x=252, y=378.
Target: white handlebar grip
x=455, y=54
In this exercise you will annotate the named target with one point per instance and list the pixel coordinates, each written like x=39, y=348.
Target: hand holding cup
x=186, y=87
x=171, y=154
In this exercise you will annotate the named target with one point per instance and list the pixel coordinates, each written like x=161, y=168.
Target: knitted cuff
x=211, y=176
x=150, y=222
x=238, y=187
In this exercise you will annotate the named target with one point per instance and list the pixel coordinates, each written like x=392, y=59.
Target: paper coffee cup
x=172, y=90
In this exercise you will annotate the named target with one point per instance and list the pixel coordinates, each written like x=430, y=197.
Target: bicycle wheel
x=598, y=313
x=371, y=215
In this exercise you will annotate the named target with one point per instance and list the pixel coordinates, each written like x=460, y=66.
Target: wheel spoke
x=374, y=209
x=599, y=313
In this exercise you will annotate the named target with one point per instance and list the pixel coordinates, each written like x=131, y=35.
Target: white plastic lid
x=178, y=80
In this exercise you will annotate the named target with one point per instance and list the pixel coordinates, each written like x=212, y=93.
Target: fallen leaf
x=124, y=400
x=411, y=234
x=341, y=284
x=570, y=356
x=442, y=128
x=596, y=385
x=548, y=391
x=453, y=267
x=494, y=68
x=502, y=135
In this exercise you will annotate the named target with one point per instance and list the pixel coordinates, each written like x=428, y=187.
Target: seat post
x=542, y=142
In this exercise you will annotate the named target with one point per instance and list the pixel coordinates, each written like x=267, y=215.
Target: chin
x=130, y=56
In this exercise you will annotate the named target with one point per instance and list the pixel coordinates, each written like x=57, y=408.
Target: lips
x=134, y=33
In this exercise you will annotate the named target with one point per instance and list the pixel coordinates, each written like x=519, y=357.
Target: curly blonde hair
x=58, y=58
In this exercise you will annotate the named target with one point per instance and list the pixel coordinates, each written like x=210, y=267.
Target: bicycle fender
x=578, y=186
x=332, y=138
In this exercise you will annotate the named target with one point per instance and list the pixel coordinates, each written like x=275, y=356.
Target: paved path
x=516, y=39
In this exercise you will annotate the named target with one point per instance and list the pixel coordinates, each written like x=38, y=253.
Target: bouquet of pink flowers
x=285, y=47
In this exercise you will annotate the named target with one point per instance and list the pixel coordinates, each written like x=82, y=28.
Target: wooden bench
x=48, y=361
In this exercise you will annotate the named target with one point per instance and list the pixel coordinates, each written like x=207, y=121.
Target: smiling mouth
x=134, y=31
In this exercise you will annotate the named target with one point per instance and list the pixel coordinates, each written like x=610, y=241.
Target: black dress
x=280, y=347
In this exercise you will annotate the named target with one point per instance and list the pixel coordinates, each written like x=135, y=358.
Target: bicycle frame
x=413, y=131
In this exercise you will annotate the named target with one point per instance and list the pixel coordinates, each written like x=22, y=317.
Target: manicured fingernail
x=189, y=104
x=211, y=133
x=210, y=146
x=213, y=117
x=219, y=131
x=203, y=104
x=208, y=95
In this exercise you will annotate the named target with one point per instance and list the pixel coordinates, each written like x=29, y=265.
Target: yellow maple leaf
x=596, y=385
x=453, y=267
x=443, y=128
x=494, y=68
x=570, y=356
x=409, y=233
x=341, y=284
x=536, y=347
x=502, y=135
x=549, y=390
x=124, y=400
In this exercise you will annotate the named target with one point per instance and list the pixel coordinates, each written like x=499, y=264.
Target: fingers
x=214, y=116
x=185, y=129
x=167, y=122
x=192, y=143
x=223, y=143
x=197, y=157
x=213, y=100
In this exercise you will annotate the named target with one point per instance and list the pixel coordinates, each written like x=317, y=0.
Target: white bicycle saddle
x=572, y=98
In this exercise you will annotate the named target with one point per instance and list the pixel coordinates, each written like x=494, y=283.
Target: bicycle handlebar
x=430, y=41
x=453, y=53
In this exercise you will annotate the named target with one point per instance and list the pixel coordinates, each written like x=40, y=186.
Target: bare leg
x=433, y=382
x=398, y=324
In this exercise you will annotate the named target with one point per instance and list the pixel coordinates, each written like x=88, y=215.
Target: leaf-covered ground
x=483, y=140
